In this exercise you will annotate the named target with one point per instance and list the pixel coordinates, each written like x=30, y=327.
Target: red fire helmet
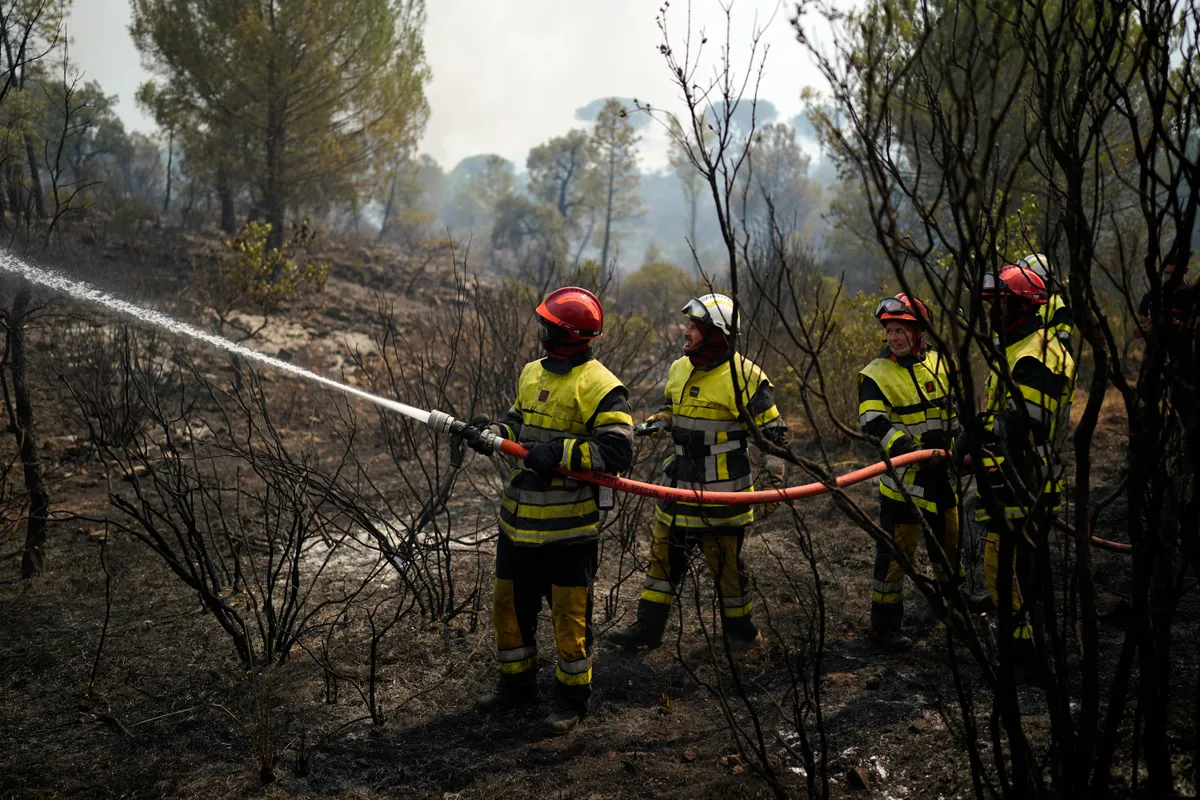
x=575, y=310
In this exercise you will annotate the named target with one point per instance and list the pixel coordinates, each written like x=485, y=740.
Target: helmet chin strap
x=558, y=343
x=1010, y=313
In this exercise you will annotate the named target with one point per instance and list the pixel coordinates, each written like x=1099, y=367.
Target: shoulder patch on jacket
x=543, y=395
x=929, y=386
x=695, y=391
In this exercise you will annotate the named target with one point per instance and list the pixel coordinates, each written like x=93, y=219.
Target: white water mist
x=90, y=294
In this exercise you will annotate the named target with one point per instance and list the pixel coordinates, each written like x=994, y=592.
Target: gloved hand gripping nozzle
x=480, y=440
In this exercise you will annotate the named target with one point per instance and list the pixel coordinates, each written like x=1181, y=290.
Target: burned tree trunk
x=20, y=417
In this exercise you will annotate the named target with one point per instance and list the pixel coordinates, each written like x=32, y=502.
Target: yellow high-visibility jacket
x=710, y=439
x=1058, y=320
x=579, y=402
x=1044, y=373
x=905, y=404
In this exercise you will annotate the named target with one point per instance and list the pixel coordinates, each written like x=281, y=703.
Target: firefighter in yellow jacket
x=905, y=404
x=710, y=454
x=1026, y=413
x=1055, y=313
x=570, y=413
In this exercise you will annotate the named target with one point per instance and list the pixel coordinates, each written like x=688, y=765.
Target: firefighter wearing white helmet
x=711, y=439
x=712, y=309
x=1055, y=314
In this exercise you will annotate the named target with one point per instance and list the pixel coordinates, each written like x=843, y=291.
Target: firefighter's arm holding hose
x=875, y=419
x=658, y=424
x=608, y=449
x=1007, y=431
x=507, y=429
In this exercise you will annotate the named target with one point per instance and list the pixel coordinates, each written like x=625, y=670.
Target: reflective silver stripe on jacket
x=712, y=450
x=734, y=485
x=913, y=489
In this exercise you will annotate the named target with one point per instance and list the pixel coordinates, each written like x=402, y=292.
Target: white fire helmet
x=1039, y=264
x=711, y=309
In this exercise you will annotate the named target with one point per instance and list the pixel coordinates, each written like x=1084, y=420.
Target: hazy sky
x=509, y=74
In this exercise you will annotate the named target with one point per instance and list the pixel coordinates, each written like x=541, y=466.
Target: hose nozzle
x=441, y=422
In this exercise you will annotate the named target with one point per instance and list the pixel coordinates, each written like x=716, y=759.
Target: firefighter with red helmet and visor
x=1029, y=394
x=905, y=404
x=573, y=414
x=1055, y=312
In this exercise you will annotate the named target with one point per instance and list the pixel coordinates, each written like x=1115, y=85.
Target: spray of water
x=90, y=294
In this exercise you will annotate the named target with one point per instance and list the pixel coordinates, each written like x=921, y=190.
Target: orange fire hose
x=515, y=450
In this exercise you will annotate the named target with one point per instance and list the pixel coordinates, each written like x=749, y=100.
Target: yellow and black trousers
x=562, y=574
x=902, y=522
x=1016, y=531
x=670, y=551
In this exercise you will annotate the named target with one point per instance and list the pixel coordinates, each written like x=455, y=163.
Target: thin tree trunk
x=33, y=558
x=225, y=195
x=608, y=208
x=170, y=160
x=14, y=190
x=587, y=237
x=387, y=209
x=35, y=177
x=693, y=204
x=274, y=205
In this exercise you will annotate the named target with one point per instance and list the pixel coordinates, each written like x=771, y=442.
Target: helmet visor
x=694, y=309
x=988, y=287
x=892, y=305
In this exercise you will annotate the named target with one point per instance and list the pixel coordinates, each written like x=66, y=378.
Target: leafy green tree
x=616, y=174
x=558, y=175
x=591, y=112
x=657, y=290
x=475, y=200
x=690, y=179
x=777, y=171
x=414, y=197
x=266, y=276
x=30, y=31
x=322, y=93
x=533, y=235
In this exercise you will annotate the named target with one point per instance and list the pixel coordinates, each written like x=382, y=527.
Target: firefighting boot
x=890, y=640
x=565, y=716
x=510, y=693
x=981, y=603
x=647, y=631
x=740, y=642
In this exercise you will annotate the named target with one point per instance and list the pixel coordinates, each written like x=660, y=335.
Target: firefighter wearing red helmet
x=570, y=413
x=711, y=453
x=1026, y=414
x=1056, y=314
x=905, y=404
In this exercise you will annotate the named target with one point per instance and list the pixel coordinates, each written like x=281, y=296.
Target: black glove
x=963, y=443
x=543, y=458
x=472, y=434
x=936, y=440
x=905, y=444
